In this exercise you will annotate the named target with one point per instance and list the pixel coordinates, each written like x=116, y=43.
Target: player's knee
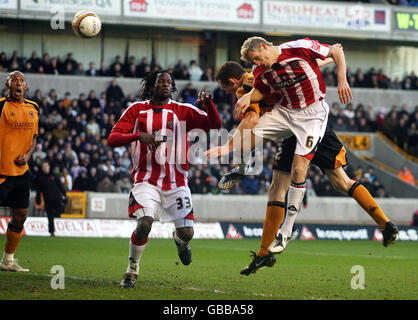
x=185, y=233
x=19, y=216
x=144, y=227
x=298, y=173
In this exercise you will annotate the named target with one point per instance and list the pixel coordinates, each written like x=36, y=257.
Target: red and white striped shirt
x=295, y=75
x=167, y=167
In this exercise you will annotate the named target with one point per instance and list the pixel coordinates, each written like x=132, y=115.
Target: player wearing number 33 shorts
x=157, y=130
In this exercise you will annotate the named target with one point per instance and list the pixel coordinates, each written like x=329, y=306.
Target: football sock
x=274, y=217
x=367, y=202
x=294, y=201
x=136, y=249
x=13, y=236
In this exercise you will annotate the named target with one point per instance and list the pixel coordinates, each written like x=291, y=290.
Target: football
x=86, y=24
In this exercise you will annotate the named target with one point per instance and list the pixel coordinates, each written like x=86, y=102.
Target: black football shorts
x=15, y=191
x=330, y=154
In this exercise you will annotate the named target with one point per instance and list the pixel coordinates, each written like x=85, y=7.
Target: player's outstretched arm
x=249, y=122
x=344, y=91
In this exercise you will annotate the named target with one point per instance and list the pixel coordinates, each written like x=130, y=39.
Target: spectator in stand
x=406, y=84
x=66, y=179
x=106, y=185
x=14, y=66
x=363, y=125
x=401, y=133
x=116, y=71
x=130, y=72
x=38, y=155
x=349, y=112
x=207, y=75
x=128, y=63
x=40, y=70
x=114, y=64
x=69, y=69
x=352, y=81
x=339, y=125
x=141, y=71
x=27, y=67
x=3, y=62
x=34, y=60
x=45, y=61
x=52, y=67
x=178, y=70
x=389, y=125
x=79, y=71
x=93, y=178
x=156, y=66
x=70, y=60
x=103, y=72
x=250, y=184
x=382, y=79
x=406, y=175
x=367, y=183
x=372, y=176
x=188, y=94
x=352, y=125
x=195, y=71
x=330, y=80
x=92, y=72
x=81, y=183
x=124, y=184
x=360, y=79
x=114, y=92
x=15, y=60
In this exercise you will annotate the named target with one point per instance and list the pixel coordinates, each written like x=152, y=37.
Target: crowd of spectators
x=73, y=133
x=129, y=68
x=371, y=79
x=397, y=123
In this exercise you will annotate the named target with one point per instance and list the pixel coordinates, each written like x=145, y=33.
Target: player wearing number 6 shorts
x=330, y=157
x=290, y=72
x=157, y=130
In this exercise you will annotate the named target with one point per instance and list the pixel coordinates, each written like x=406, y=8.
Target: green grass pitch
x=307, y=270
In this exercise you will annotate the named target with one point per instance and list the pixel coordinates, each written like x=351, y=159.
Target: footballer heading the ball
x=86, y=24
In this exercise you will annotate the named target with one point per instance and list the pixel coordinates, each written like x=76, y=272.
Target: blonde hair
x=252, y=44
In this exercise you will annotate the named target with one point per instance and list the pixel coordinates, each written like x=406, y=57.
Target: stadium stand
x=73, y=132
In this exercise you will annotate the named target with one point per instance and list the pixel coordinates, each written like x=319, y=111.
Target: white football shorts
x=172, y=205
x=307, y=124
